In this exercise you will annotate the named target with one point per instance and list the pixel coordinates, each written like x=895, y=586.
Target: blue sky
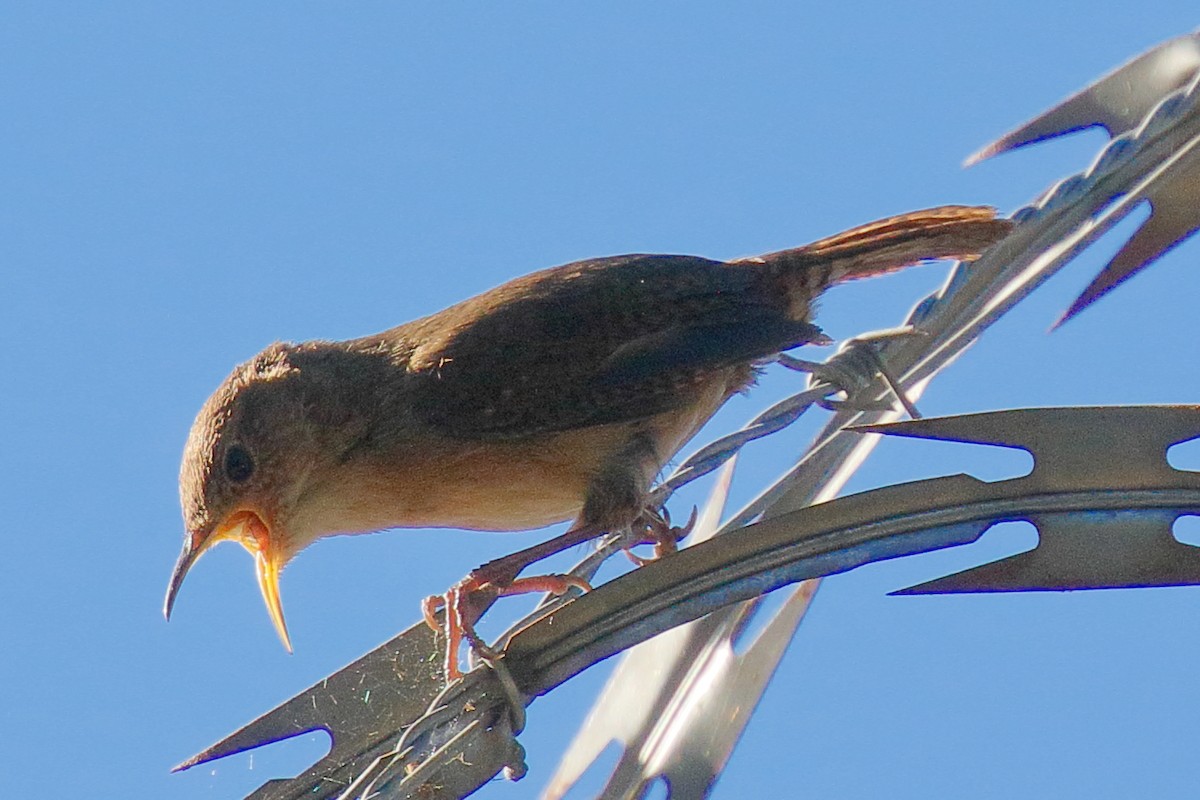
x=186, y=184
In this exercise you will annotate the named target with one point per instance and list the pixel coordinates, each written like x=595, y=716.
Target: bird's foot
x=654, y=527
x=465, y=602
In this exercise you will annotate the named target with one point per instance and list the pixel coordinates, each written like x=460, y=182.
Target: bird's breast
x=512, y=485
x=433, y=481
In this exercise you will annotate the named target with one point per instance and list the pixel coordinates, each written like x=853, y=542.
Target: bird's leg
x=467, y=600
x=616, y=498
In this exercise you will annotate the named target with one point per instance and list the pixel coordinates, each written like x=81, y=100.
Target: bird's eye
x=239, y=466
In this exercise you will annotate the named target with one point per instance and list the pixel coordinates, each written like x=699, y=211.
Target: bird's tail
x=887, y=245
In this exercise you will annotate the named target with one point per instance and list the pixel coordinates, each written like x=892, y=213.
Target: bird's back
x=591, y=343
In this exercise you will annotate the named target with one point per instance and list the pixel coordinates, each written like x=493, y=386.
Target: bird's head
x=257, y=448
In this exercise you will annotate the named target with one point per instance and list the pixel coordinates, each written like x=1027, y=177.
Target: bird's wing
x=594, y=342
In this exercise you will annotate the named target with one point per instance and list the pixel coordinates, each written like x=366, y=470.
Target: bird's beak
x=247, y=529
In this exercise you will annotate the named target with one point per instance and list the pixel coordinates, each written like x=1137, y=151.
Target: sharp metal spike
x=1117, y=102
x=691, y=748
x=1101, y=550
x=1064, y=441
x=1174, y=199
x=360, y=706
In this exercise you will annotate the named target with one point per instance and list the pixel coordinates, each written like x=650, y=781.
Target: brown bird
x=557, y=396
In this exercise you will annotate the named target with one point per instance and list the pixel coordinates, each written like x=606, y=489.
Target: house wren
x=556, y=396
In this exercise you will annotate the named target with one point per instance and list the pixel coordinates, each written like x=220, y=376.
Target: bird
x=557, y=396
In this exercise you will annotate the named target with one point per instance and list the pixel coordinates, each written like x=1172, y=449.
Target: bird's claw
x=464, y=603
x=654, y=528
x=459, y=616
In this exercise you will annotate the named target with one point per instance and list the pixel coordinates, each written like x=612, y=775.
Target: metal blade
x=1174, y=201
x=361, y=706
x=1084, y=448
x=1107, y=551
x=1117, y=102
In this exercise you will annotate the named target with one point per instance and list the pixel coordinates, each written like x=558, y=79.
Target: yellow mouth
x=247, y=529
x=255, y=537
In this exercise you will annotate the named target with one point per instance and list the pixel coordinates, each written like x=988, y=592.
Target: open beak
x=247, y=529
